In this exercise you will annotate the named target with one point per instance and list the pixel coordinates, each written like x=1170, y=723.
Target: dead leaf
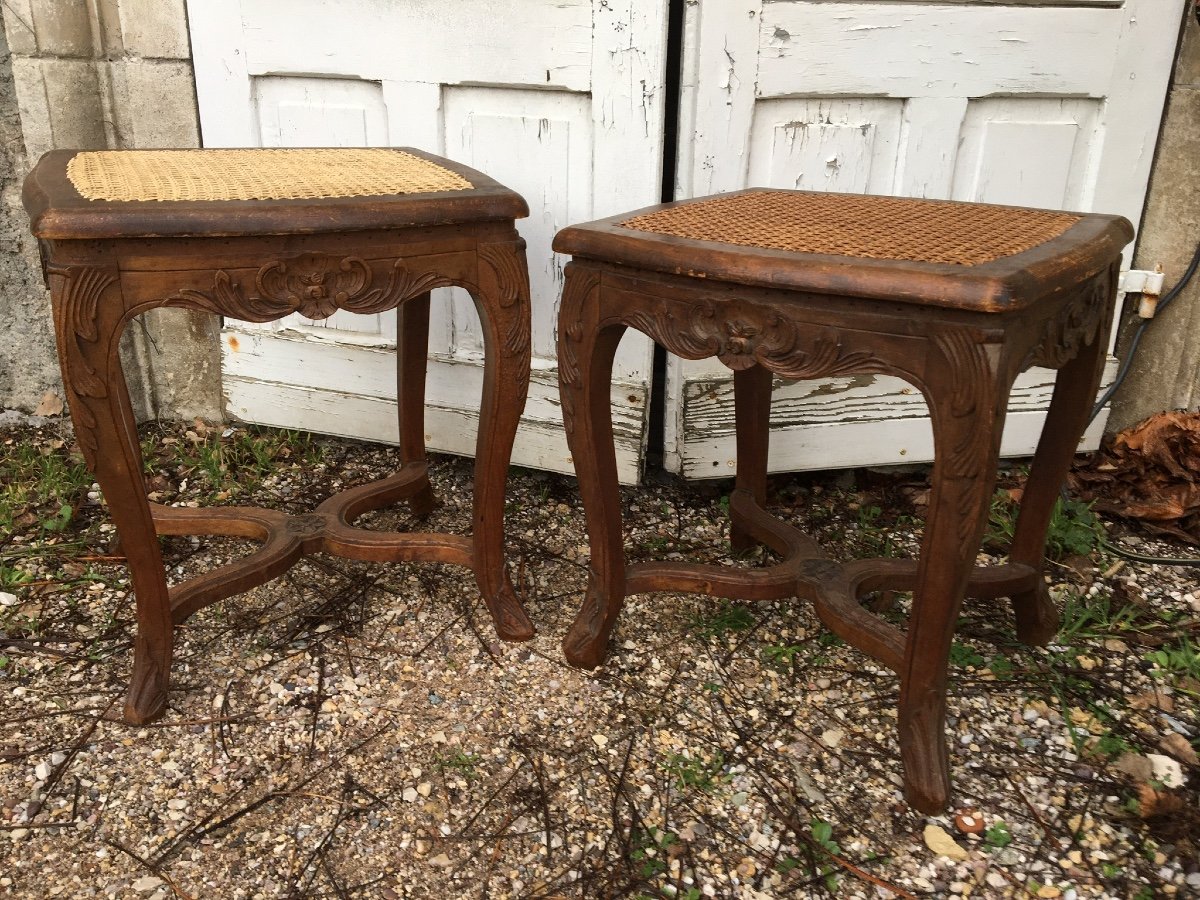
x=1152, y=699
x=1152, y=803
x=1180, y=748
x=1135, y=766
x=940, y=842
x=50, y=405
x=1150, y=472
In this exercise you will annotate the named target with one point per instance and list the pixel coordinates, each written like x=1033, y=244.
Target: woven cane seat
x=159, y=193
x=269, y=174
x=961, y=234
x=963, y=255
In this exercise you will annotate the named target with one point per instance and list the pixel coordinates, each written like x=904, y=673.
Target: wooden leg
x=88, y=312
x=752, y=415
x=967, y=398
x=503, y=305
x=1074, y=393
x=585, y=358
x=412, y=361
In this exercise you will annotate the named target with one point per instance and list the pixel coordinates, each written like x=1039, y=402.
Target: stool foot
x=923, y=751
x=512, y=624
x=1037, y=619
x=586, y=644
x=422, y=503
x=146, y=698
x=739, y=540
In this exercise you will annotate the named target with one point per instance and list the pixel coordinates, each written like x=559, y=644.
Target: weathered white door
x=561, y=100
x=1050, y=103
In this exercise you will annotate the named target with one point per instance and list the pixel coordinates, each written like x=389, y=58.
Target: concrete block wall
x=93, y=74
x=1166, y=372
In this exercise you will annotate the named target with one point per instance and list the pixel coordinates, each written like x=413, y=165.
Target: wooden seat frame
x=260, y=261
x=963, y=350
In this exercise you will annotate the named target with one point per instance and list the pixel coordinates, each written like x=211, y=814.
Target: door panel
x=561, y=100
x=1049, y=104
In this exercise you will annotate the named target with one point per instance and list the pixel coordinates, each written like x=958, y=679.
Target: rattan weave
x=895, y=228
x=269, y=174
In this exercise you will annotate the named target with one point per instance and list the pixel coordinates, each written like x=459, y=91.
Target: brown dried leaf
x=1180, y=748
x=1152, y=803
x=50, y=405
x=1150, y=472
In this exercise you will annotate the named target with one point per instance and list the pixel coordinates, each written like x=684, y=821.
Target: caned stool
x=956, y=298
x=258, y=235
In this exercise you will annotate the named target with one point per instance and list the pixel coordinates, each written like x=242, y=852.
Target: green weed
x=42, y=482
x=702, y=773
x=461, y=763
x=962, y=655
x=1176, y=661
x=1074, y=529
x=649, y=850
x=997, y=835
x=728, y=617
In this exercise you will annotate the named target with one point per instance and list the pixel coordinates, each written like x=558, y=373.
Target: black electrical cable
x=1163, y=303
x=1140, y=557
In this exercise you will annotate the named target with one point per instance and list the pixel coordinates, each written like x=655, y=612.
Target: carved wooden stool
x=956, y=298
x=258, y=235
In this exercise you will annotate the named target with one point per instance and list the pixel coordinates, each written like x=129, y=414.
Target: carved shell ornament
x=314, y=285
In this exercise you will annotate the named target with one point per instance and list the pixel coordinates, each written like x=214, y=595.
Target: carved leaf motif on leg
x=511, y=279
x=76, y=311
x=970, y=365
x=587, y=641
x=579, y=287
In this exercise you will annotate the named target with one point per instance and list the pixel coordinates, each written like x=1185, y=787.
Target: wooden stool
x=258, y=235
x=956, y=298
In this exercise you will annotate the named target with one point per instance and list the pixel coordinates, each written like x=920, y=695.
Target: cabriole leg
x=967, y=399
x=412, y=362
x=88, y=313
x=585, y=359
x=503, y=305
x=752, y=415
x=1074, y=393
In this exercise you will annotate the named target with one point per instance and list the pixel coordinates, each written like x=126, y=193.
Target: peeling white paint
x=561, y=101
x=1022, y=102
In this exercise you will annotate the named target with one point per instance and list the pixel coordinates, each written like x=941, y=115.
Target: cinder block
x=155, y=28
x=31, y=104
x=108, y=20
x=1187, y=67
x=60, y=104
x=18, y=26
x=64, y=28
x=183, y=348
x=156, y=101
x=74, y=97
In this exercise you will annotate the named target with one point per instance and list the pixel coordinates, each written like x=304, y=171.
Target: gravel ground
x=356, y=730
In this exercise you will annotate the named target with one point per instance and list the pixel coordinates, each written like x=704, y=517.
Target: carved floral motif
x=314, y=285
x=746, y=335
x=1074, y=326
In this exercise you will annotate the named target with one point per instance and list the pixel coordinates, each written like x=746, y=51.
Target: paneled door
x=561, y=100
x=1048, y=103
